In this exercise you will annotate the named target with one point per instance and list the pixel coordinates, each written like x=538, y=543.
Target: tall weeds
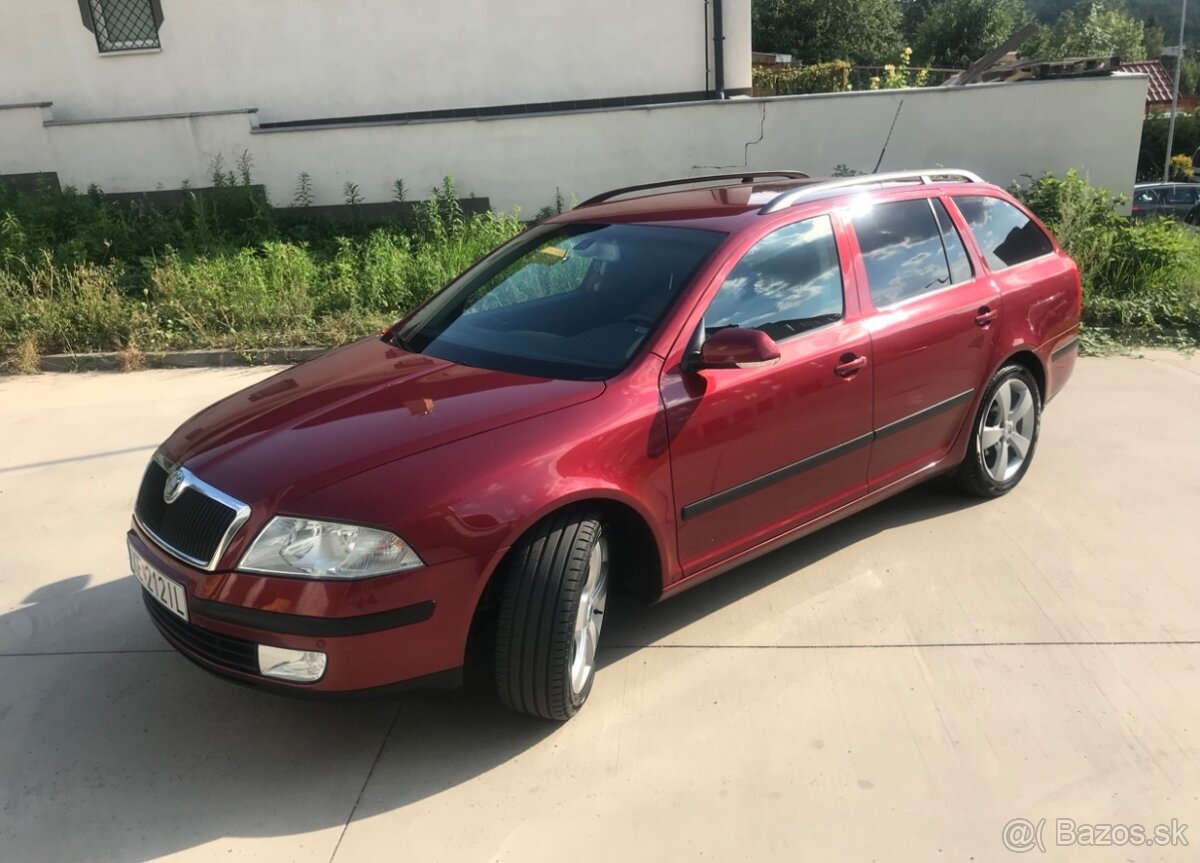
x=78, y=273
x=1141, y=279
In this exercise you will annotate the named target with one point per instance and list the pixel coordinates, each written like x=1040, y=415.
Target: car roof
x=727, y=205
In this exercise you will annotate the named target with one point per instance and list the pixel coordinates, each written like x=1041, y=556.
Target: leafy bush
x=1181, y=167
x=1154, y=142
x=832, y=77
x=1141, y=280
x=901, y=75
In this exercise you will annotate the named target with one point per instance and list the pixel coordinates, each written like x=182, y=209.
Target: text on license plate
x=170, y=594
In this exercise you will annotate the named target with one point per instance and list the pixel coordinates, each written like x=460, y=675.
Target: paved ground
x=896, y=688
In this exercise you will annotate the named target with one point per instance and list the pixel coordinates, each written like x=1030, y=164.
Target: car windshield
x=563, y=301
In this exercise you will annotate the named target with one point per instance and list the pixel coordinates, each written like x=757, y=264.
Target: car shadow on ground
x=146, y=755
x=634, y=626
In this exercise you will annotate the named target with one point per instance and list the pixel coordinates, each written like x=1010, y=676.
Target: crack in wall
x=762, y=133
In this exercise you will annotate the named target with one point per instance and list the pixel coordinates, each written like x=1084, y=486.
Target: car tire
x=1004, y=435
x=551, y=612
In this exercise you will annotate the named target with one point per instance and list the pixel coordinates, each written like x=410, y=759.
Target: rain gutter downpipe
x=719, y=48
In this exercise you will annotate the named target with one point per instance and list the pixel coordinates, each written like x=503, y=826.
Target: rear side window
x=789, y=282
x=1006, y=236
x=902, y=250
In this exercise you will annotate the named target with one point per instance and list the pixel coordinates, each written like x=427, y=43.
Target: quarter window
x=1006, y=236
x=789, y=282
x=902, y=250
x=123, y=25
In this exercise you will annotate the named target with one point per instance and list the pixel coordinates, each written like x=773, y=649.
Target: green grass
x=79, y=274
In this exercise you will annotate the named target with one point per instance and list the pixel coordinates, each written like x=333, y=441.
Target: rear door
x=932, y=315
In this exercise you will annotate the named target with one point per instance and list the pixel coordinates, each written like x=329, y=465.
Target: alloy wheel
x=590, y=617
x=1006, y=433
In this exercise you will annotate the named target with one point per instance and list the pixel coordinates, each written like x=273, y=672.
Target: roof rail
x=743, y=177
x=820, y=189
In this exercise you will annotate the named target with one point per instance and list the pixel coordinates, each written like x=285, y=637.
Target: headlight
x=323, y=549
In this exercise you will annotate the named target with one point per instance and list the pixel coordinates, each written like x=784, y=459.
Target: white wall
x=999, y=130
x=305, y=59
x=24, y=146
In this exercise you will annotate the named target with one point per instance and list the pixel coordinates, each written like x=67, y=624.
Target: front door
x=755, y=452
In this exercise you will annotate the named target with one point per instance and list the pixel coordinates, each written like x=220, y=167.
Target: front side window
x=789, y=282
x=902, y=250
x=562, y=301
x=1006, y=236
x=1182, y=195
x=123, y=25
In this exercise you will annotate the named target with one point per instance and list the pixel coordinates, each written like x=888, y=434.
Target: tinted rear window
x=1006, y=236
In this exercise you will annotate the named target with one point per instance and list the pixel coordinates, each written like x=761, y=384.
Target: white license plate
x=169, y=594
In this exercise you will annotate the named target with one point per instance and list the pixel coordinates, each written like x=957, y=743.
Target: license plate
x=169, y=593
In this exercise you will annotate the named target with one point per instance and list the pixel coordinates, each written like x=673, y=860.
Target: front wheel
x=1005, y=434
x=551, y=612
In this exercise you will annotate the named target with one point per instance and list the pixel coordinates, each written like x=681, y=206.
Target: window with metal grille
x=123, y=25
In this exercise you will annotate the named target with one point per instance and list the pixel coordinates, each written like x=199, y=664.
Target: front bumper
x=377, y=633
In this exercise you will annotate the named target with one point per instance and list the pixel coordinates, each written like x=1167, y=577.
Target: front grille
x=232, y=653
x=194, y=527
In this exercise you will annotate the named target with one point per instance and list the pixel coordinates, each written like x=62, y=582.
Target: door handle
x=986, y=316
x=850, y=365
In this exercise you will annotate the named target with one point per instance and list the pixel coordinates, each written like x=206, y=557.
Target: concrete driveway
x=896, y=688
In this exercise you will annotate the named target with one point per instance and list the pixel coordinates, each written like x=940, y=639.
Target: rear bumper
x=1063, y=352
x=378, y=634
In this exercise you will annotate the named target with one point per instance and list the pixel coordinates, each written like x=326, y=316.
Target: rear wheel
x=1005, y=434
x=551, y=613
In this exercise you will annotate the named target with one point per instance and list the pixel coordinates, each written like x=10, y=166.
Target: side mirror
x=734, y=348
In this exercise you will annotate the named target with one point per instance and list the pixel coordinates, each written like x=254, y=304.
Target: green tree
x=813, y=31
x=1153, y=40
x=1165, y=14
x=1091, y=28
x=956, y=32
x=1189, y=76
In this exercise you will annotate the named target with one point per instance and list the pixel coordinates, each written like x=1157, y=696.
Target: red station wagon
x=644, y=392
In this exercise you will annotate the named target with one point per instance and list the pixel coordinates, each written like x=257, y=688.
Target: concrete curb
x=115, y=362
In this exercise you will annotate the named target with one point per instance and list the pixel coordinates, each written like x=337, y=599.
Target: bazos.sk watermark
x=1022, y=835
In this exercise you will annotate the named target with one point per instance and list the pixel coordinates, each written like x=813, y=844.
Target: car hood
x=349, y=411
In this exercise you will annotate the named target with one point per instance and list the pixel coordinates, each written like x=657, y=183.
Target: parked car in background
x=642, y=393
x=1173, y=200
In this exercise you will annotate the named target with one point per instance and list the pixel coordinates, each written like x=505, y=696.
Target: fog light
x=303, y=666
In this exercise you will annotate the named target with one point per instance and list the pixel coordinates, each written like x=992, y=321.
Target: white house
x=301, y=60
x=515, y=99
